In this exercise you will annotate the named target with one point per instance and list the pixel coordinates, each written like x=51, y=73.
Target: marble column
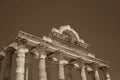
x=82, y=69
x=95, y=71
x=2, y=55
x=61, y=62
x=107, y=76
x=48, y=67
x=20, y=60
x=61, y=74
x=42, y=67
x=27, y=68
x=8, y=63
x=91, y=73
x=69, y=71
x=106, y=73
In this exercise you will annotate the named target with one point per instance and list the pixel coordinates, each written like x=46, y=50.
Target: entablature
x=74, y=48
x=69, y=52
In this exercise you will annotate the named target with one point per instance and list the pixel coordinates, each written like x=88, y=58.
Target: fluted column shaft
x=42, y=68
x=20, y=63
x=106, y=73
x=96, y=75
x=61, y=73
x=28, y=68
x=83, y=74
x=9, y=51
x=95, y=71
x=107, y=76
x=81, y=64
x=61, y=62
x=1, y=59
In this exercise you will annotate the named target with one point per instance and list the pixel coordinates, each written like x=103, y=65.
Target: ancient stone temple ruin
x=29, y=57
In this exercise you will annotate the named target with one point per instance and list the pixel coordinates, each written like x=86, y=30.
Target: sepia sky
x=96, y=21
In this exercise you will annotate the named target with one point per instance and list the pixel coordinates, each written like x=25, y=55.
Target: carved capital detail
x=105, y=69
x=94, y=66
x=17, y=42
x=81, y=62
x=2, y=53
x=59, y=55
x=20, y=41
x=39, y=50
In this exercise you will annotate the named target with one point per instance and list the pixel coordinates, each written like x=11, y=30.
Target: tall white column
x=83, y=74
x=106, y=73
x=61, y=62
x=107, y=76
x=81, y=63
x=95, y=71
x=61, y=73
x=42, y=67
x=20, y=62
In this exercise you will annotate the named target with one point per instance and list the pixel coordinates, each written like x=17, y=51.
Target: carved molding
x=70, y=41
x=39, y=51
x=20, y=41
x=81, y=62
x=94, y=66
x=105, y=69
x=17, y=42
x=2, y=53
x=37, y=40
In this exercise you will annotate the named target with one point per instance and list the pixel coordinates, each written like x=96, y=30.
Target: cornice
x=73, y=53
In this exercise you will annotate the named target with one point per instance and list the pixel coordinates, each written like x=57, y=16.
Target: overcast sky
x=96, y=21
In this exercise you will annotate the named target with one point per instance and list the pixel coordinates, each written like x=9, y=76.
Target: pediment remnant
x=69, y=32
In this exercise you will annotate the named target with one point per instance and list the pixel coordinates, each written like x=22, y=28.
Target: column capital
x=81, y=62
x=57, y=55
x=20, y=41
x=105, y=69
x=2, y=53
x=17, y=42
x=22, y=49
x=42, y=56
x=39, y=51
x=94, y=66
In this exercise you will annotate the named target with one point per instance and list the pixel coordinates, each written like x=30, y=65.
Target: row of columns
x=20, y=71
